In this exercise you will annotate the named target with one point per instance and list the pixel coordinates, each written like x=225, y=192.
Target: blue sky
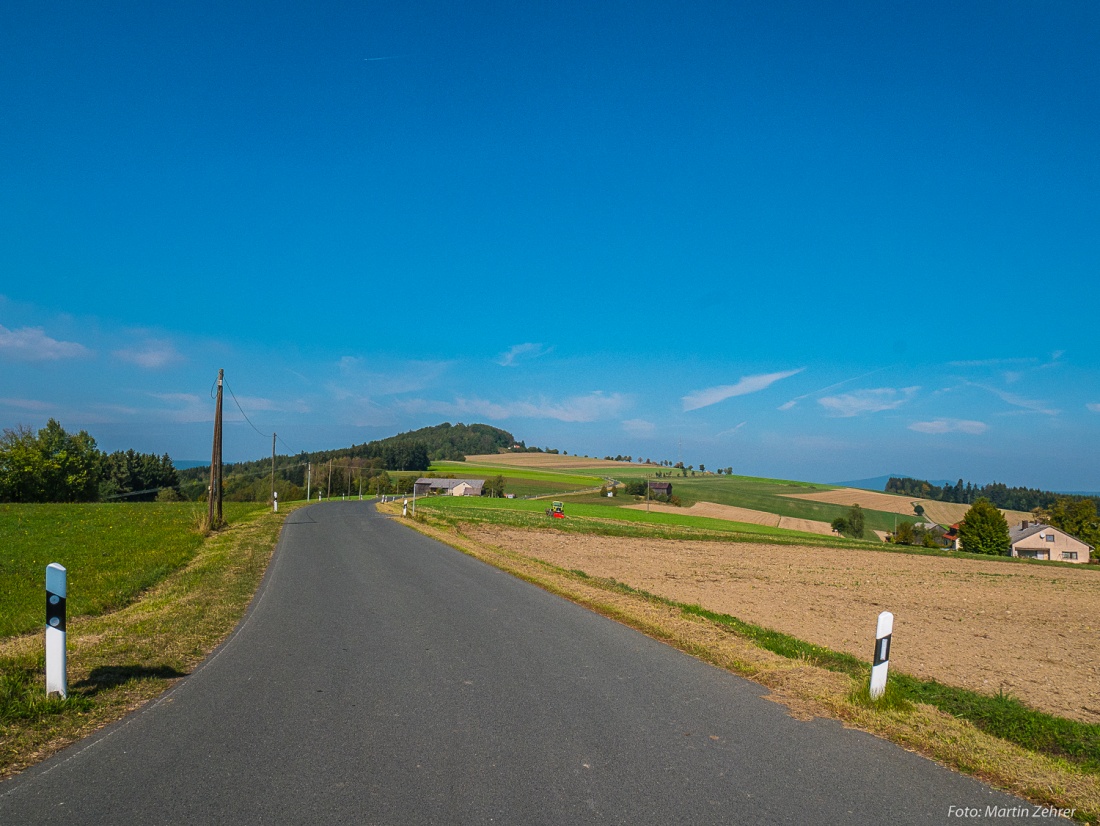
x=807, y=241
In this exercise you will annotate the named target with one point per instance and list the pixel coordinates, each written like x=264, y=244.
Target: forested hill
x=1002, y=496
x=456, y=441
x=405, y=451
x=443, y=441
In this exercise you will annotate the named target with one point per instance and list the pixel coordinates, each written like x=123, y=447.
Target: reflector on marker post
x=56, y=679
x=881, y=663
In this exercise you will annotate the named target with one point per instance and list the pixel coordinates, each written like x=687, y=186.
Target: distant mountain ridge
x=879, y=483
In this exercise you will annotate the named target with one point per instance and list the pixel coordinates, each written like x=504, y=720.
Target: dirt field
x=1027, y=629
x=946, y=513
x=735, y=514
x=549, y=461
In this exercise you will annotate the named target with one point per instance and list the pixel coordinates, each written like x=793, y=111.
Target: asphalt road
x=381, y=677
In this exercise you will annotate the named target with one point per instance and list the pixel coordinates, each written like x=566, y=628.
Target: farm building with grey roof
x=448, y=487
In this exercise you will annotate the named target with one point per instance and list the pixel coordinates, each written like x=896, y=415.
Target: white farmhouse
x=1034, y=540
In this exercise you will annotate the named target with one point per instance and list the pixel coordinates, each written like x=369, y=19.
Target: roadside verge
x=121, y=660
x=807, y=689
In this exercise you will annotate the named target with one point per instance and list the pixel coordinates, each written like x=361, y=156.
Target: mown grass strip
x=1006, y=717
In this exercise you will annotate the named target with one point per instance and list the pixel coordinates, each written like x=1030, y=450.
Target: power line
x=265, y=435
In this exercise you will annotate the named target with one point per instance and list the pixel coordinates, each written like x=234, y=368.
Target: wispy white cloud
x=32, y=344
x=731, y=431
x=366, y=413
x=867, y=401
x=152, y=354
x=522, y=352
x=113, y=411
x=797, y=399
x=361, y=379
x=1005, y=362
x=186, y=408
x=639, y=428
x=33, y=405
x=251, y=404
x=950, y=426
x=747, y=384
x=1095, y=408
x=592, y=407
x=1033, y=405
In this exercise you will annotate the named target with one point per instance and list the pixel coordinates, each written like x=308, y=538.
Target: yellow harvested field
x=546, y=461
x=945, y=513
x=735, y=514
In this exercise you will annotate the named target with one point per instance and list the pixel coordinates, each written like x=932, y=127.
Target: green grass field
x=590, y=515
x=111, y=553
x=521, y=481
x=755, y=493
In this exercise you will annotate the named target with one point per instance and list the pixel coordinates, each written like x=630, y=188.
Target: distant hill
x=336, y=470
x=405, y=451
x=451, y=441
x=879, y=482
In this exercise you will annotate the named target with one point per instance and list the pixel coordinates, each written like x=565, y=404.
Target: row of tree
x=998, y=494
x=52, y=465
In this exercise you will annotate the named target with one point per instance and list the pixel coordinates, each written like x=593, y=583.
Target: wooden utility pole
x=214, y=500
x=273, y=466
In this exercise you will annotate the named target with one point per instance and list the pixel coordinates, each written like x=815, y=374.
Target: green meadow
x=755, y=493
x=522, y=481
x=591, y=515
x=111, y=553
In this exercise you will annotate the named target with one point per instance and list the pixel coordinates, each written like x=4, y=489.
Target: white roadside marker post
x=275, y=496
x=881, y=663
x=405, y=508
x=56, y=677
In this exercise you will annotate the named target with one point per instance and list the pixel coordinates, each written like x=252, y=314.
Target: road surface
x=381, y=677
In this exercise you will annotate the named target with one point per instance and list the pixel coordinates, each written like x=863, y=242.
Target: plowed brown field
x=1026, y=628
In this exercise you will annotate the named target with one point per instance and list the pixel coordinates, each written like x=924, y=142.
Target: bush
x=852, y=525
x=984, y=530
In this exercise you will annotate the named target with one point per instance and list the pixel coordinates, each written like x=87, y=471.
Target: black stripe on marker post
x=882, y=650
x=55, y=611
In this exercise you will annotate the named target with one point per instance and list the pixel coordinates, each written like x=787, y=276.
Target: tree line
x=52, y=465
x=998, y=494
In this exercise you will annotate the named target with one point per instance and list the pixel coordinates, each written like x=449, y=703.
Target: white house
x=1034, y=540
x=448, y=487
